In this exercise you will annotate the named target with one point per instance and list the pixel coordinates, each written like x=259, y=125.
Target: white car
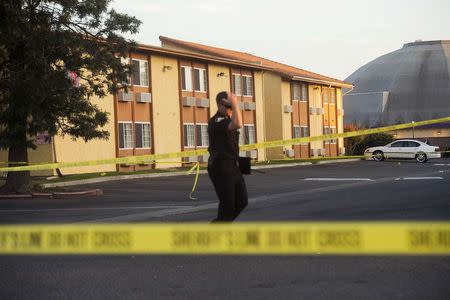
x=413, y=149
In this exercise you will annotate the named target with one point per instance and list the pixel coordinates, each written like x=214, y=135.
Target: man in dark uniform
x=223, y=168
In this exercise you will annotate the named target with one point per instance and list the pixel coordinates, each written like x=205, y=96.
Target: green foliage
x=40, y=41
x=356, y=145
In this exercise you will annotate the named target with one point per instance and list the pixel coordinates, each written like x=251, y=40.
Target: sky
x=333, y=38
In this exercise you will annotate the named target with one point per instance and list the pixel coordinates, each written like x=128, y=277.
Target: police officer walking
x=223, y=168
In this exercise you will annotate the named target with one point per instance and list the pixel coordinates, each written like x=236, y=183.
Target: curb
x=172, y=174
x=15, y=196
x=323, y=162
x=114, y=178
x=281, y=165
x=56, y=195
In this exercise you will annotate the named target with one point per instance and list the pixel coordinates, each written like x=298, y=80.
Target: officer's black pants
x=230, y=189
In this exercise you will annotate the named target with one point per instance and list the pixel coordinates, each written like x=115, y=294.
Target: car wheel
x=378, y=156
x=421, y=157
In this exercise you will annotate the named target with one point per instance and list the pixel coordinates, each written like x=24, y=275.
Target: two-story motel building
x=172, y=96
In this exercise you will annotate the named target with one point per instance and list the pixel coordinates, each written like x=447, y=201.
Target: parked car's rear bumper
x=434, y=155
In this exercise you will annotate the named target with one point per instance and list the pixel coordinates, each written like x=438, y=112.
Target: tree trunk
x=17, y=182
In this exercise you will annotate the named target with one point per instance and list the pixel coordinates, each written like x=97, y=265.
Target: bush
x=356, y=145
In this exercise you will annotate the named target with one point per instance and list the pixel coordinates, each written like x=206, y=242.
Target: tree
x=46, y=46
x=356, y=145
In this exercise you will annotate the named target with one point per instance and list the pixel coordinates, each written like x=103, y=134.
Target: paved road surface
x=362, y=190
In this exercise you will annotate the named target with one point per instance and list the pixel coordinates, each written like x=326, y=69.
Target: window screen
x=304, y=94
x=249, y=134
x=125, y=135
x=247, y=87
x=296, y=91
x=296, y=132
x=186, y=78
x=202, y=135
x=189, y=136
x=237, y=84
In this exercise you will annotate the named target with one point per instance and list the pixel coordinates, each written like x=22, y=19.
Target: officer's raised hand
x=231, y=103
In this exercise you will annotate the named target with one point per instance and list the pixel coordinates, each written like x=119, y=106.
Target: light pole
x=413, y=129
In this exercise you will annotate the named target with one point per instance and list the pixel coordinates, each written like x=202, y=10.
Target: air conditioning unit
x=204, y=102
x=341, y=112
x=188, y=101
x=288, y=108
x=252, y=154
x=144, y=97
x=342, y=150
x=290, y=152
x=249, y=105
x=315, y=152
x=312, y=110
x=125, y=97
x=241, y=104
x=203, y=158
x=322, y=152
x=191, y=159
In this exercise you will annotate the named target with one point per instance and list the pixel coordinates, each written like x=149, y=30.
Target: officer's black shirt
x=223, y=143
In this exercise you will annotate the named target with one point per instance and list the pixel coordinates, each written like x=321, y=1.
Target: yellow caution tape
x=269, y=144
x=196, y=167
x=311, y=238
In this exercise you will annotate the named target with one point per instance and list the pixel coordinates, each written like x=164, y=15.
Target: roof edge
x=205, y=57
x=326, y=82
x=335, y=82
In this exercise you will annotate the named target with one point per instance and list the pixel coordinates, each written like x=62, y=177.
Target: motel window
x=299, y=91
x=236, y=84
x=326, y=130
x=296, y=131
x=247, y=85
x=125, y=135
x=305, y=131
x=140, y=72
x=186, y=78
x=296, y=89
x=332, y=96
x=189, y=135
x=125, y=61
x=304, y=94
x=200, y=80
x=330, y=130
x=249, y=131
x=202, y=135
x=326, y=94
x=241, y=136
x=143, y=135
x=333, y=131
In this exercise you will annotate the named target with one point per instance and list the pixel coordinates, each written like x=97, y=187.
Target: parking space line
x=419, y=178
x=441, y=164
x=337, y=179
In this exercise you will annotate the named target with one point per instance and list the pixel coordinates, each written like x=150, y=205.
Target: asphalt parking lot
x=363, y=190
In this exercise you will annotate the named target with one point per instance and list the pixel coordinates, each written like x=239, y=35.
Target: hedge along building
x=297, y=103
x=166, y=109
